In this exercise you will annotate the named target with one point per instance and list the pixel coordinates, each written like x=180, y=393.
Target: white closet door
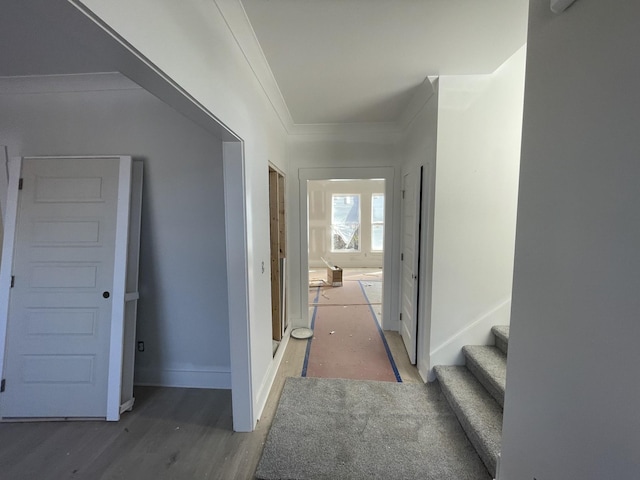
x=411, y=197
x=59, y=322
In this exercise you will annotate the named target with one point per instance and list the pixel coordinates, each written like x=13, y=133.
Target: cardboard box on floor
x=334, y=276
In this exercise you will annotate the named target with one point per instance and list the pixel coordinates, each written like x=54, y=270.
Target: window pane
x=345, y=209
x=345, y=238
x=377, y=237
x=345, y=222
x=377, y=208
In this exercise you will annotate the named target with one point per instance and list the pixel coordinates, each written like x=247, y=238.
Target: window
x=377, y=222
x=345, y=222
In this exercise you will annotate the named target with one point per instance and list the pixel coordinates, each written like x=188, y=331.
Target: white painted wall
x=571, y=406
x=182, y=311
x=320, y=194
x=419, y=149
x=204, y=58
x=479, y=131
x=336, y=154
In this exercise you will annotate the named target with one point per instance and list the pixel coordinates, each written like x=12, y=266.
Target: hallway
x=348, y=338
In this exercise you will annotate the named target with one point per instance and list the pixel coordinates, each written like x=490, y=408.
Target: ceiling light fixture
x=559, y=6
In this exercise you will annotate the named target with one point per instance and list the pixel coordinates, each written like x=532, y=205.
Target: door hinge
x=3, y=385
x=402, y=257
x=402, y=193
x=400, y=316
x=13, y=280
x=20, y=184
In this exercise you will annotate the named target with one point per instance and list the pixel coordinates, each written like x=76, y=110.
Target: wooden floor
x=172, y=433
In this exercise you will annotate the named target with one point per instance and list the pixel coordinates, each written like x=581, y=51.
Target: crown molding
x=300, y=129
x=235, y=16
x=423, y=94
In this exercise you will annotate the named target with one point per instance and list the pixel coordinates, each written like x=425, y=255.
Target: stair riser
x=501, y=334
x=479, y=373
x=489, y=460
x=502, y=345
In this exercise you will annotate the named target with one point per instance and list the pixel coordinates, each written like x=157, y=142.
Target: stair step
x=477, y=411
x=501, y=333
x=489, y=365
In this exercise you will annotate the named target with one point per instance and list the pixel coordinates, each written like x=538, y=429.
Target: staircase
x=476, y=394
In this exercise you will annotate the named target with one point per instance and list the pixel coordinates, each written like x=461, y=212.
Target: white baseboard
x=423, y=370
x=477, y=332
x=217, y=377
x=265, y=388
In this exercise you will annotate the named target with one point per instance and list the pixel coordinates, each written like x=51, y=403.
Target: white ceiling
x=361, y=61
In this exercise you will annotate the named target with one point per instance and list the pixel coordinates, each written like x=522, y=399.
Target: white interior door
x=59, y=322
x=411, y=200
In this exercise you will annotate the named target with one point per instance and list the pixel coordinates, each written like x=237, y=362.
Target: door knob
x=105, y=294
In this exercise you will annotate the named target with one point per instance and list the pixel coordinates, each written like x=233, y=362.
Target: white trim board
x=190, y=378
x=116, y=345
x=265, y=388
x=4, y=182
x=244, y=419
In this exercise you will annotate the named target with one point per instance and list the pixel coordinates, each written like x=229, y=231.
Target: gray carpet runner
x=476, y=394
x=335, y=429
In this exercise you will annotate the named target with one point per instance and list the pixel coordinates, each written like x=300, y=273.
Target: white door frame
x=235, y=212
x=114, y=380
x=389, y=320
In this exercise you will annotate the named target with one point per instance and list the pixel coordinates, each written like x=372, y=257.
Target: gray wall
x=183, y=317
x=571, y=408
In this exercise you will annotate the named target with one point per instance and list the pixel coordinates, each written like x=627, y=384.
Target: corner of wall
x=478, y=332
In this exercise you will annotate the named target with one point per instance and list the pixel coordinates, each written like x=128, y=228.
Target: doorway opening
x=346, y=235
x=277, y=234
x=346, y=225
x=211, y=147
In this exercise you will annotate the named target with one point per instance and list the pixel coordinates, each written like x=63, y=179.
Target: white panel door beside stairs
x=59, y=323
x=411, y=200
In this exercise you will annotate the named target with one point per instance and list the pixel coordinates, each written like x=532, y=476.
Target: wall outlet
x=141, y=346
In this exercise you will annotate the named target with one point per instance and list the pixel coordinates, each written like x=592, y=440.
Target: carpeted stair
x=476, y=394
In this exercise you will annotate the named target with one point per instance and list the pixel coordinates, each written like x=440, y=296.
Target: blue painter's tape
x=381, y=332
x=313, y=324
